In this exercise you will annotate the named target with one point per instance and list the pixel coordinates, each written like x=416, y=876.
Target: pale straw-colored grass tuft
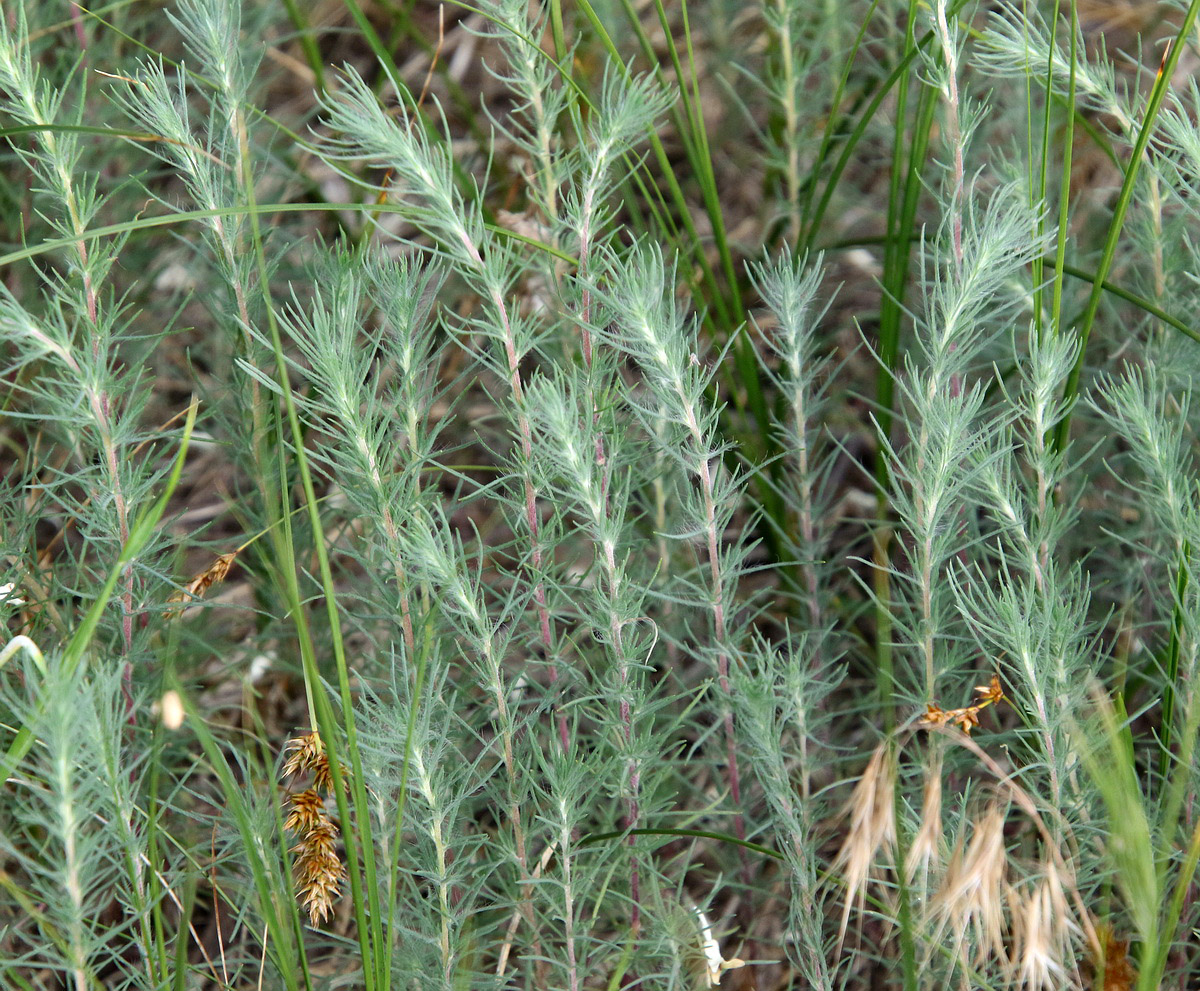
x=871, y=812
x=926, y=845
x=1042, y=925
x=972, y=894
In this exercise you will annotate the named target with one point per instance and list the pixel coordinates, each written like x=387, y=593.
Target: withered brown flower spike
x=308, y=812
x=319, y=871
x=967, y=717
x=196, y=588
x=305, y=751
x=308, y=754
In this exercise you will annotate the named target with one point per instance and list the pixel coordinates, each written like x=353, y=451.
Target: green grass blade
x=1158, y=95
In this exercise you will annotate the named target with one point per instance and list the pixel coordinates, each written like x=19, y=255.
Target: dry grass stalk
x=872, y=814
x=972, y=894
x=319, y=870
x=1033, y=941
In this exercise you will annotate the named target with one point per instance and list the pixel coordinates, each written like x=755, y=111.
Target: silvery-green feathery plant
x=575, y=495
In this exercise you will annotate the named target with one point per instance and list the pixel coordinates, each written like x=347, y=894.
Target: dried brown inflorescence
x=1113, y=971
x=967, y=717
x=318, y=868
x=307, y=753
x=200, y=584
